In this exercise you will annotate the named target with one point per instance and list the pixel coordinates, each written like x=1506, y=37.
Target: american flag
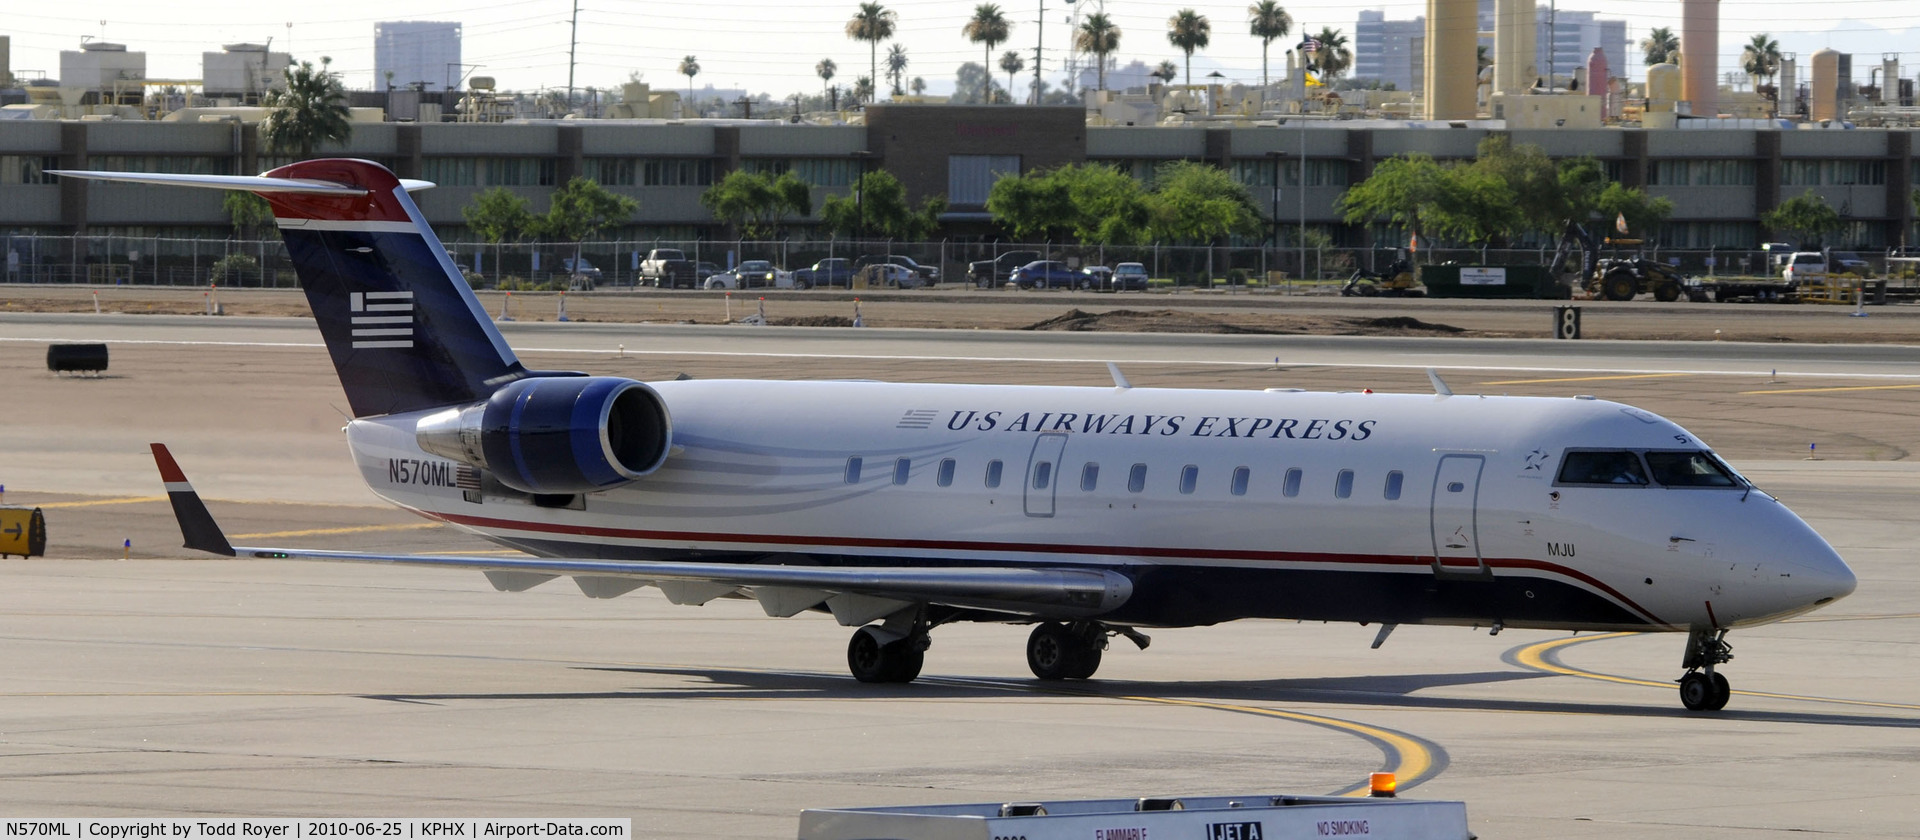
x=1310, y=45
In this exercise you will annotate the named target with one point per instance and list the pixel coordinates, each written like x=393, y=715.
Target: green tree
x=1098, y=35
x=873, y=23
x=897, y=67
x=250, y=213
x=1806, y=214
x=989, y=27
x=974, y=82
x=825, y=70
x=690, y=67
x=1476, y=206
x=1197, y=202
x=1661, y=46
x=1760, y=58
x=756, y=203
x=1404, y=192
x=1267, y=21
x=879, y=209
x=863, y=89
x=1542, y=202
x=1032, y=207
x=1012, y=63
x=580, y=210
x=1166, y=72
x=1187, y=31
x=1094, y=204
x=310, y=112
x=498, y=215
x=1643, y=213
x=1333, y=57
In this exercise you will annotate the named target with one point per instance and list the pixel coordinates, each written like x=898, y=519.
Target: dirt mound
x=1235, y=323
x=1402, y=323
x=812, y=321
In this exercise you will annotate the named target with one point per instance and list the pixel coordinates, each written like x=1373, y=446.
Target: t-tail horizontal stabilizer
x=196, y=524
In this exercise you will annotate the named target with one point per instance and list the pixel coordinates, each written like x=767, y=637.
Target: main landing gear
x=877, y=654
x=1058, y=651
x=1703, y=689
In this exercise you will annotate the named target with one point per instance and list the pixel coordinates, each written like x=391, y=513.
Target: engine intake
x=557, y=435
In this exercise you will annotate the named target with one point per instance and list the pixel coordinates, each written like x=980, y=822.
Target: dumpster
x=1449, y=280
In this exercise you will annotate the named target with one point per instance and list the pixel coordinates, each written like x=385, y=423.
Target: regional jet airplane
x=1088, y=512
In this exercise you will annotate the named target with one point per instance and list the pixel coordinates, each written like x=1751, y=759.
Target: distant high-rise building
x=1385, y=49
x=1566, y=38
x=417, y=53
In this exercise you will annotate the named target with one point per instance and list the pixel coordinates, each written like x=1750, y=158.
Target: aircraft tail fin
x=403, y=327
x=196, y=524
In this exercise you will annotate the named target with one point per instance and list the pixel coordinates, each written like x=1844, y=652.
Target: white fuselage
x=1404, y=508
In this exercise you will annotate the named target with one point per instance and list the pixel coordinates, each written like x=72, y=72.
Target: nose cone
x=1822, y=576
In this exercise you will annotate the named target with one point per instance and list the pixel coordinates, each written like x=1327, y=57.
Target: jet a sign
x=1234, y=831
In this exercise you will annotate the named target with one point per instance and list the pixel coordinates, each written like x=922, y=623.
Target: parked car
x=1097, y=275
x=752, y=274
x=833, y=271
x=928, y=275
x=1804, y=265
x=1048, y=274
x=1850, y=262
x=1126, y=277
x=891, y=276
x=996, y=271
x=582, y=275
x=669, y=268
x=704, y=270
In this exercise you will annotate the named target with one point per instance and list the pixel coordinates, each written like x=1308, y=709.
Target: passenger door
x=1455, y=516
x=1043, y=473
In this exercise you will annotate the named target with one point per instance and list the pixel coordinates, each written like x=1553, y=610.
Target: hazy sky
x=771, y=46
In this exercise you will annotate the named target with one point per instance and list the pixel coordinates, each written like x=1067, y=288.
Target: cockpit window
x=1690, y=469
x=1610, y=468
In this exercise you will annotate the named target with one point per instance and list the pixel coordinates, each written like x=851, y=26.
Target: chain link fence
x=151, y=261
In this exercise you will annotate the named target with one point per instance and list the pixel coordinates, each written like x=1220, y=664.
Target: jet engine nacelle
x=550, y=435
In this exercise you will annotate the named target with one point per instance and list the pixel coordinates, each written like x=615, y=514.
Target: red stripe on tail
x=169, y=471
x=380, y=204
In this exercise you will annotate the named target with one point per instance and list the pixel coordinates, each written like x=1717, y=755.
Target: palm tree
x=311, y=111
x=690, y=67
x=1661, y=47
x=1267, y=21
x=873, y=23
x=897, y=66
x=863, y=88
x=825, y=70
x=1165, y=72
x=919, y=86
x=1761, y=58
x=1098, y=35
x=989, y=27
x=1188, y=31
x=1333, y=57
x=1481, y=60
x=1012, y=63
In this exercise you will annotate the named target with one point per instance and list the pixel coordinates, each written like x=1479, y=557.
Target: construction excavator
x=1615, y=278
x=1399, y=280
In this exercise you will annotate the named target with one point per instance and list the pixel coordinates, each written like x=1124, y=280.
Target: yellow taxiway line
x=127, y=500
x=355, y=529
x=1407, y=759
x=1586, y=378
x=1534, y=656
x=1836, y=388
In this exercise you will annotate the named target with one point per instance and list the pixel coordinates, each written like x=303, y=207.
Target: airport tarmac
x=174, y=685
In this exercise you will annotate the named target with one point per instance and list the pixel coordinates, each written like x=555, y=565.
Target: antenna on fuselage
x=1439, y=385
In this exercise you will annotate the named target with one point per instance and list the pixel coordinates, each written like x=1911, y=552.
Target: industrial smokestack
x=1786, y=89
x=1513, y=36
x=1699, y=55
x=1452, y=63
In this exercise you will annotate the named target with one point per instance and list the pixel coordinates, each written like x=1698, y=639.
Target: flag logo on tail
x=382, y=320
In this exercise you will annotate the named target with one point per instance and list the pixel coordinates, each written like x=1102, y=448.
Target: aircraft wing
x=855, y=595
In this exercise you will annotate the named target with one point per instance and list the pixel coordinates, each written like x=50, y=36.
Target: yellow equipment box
x=23, y=531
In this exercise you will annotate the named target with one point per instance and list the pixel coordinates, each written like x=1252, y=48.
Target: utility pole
x=573, y=43
x=1040, y=27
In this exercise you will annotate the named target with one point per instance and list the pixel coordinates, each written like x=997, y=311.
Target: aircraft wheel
x=1087, y=662
x=1667, y=292
x=1722, y=692
x=1050, y=651
x=1697, y=692
x=870, y=661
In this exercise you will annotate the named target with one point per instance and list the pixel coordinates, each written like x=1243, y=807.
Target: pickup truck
x=834, y=271
x=669, y=268
x=997, y=271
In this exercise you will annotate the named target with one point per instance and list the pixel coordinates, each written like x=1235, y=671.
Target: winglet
x=196, y=524
x=1439, y=385
x=1119, y=379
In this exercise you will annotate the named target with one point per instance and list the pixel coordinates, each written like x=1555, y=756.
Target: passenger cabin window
x=1189, y=478
x=901, y=469
x=945, y=475
x=1343, y=484
x=1690, y=469
x=853, y=470
x=1291, y=486
x=1239, y=485
x=993, y=474
x=1042, y=475
x=1089, y=476
x=1394, y=481
x=1137, y=478
x=1612, y=468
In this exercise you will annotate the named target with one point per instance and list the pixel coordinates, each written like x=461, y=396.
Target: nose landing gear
x=1703, y=689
